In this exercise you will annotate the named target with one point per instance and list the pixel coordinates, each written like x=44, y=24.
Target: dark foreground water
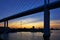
x=55, y=35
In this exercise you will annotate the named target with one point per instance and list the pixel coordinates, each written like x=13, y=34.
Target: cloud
x=29, y=20
x=55, y=23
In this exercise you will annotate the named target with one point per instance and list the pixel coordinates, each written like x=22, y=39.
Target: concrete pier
x=46, y=19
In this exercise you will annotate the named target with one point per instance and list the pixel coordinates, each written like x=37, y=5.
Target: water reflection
x=30, y=36
x=46, y=38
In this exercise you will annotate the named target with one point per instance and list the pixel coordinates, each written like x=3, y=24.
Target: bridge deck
x=32, y=11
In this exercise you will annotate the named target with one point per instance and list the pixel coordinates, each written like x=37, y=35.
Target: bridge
x=46, y=7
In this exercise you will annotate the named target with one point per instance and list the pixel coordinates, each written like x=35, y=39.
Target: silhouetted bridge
x=44, y=8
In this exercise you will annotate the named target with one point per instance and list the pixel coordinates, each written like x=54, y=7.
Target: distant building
x=33, y=27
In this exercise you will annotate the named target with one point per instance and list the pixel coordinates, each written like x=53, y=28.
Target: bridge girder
x=32, y=11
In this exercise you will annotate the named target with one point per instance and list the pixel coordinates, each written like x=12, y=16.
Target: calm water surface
x=55, y=35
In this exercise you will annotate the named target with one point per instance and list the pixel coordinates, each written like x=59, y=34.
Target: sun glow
x=28, y=23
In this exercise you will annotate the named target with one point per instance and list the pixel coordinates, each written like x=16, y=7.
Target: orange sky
x=26, y=24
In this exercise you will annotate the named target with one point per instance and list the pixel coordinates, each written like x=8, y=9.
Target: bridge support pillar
x=46, y=21
x=5, y=33
x=4, y=23
x=5, y=26
x=7, y=23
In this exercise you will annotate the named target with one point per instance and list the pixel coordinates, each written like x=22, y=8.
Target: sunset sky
x=11, y=7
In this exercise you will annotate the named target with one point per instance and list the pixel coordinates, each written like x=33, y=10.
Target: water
x=55, y=35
